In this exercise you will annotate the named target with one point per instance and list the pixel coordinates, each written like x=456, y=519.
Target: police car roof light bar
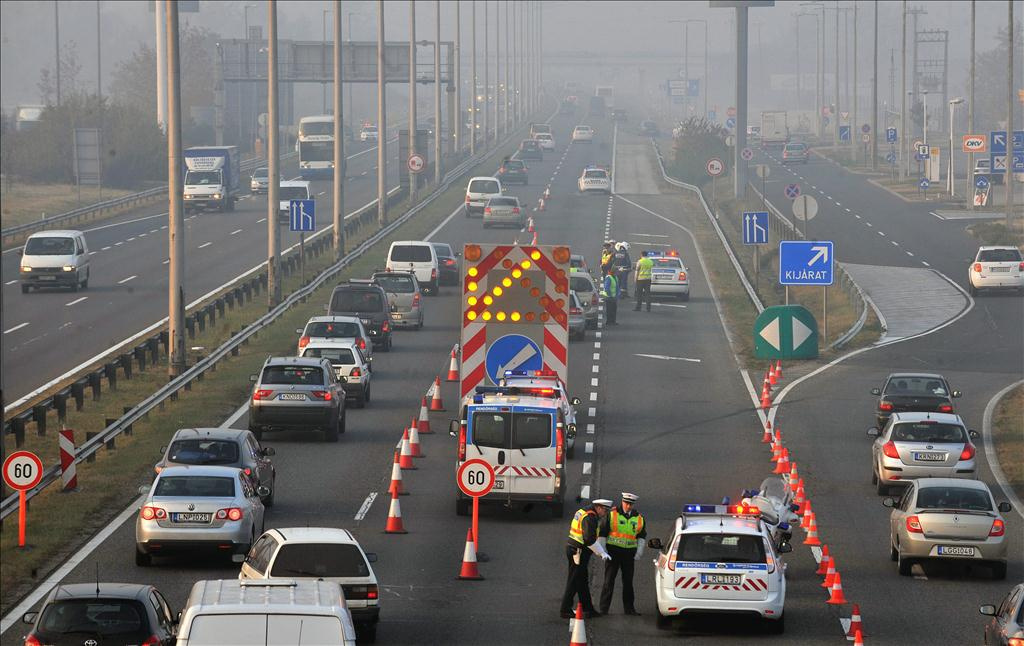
x=722, y=510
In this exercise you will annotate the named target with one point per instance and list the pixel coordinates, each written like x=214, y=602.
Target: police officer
x=610, y=293
x=622, y=263
x=626, y=534
x=644, y=268
x=584, y=531
x=607, y=255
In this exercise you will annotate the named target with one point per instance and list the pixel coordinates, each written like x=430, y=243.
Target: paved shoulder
x=634, y=172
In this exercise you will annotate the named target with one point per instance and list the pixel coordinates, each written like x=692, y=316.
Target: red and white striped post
x=68, y=476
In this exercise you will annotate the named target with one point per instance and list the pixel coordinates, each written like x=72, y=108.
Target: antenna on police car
x=97, y=579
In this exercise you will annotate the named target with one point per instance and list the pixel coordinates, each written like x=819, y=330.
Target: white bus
x=608, y=92
x=316, y=146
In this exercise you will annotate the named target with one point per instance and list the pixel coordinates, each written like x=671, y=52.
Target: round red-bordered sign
x=715, y=167
x=416, y=162
x=475, y=478
x=23, y=470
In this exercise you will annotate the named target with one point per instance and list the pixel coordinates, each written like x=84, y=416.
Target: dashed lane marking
x=590, y=429
x=587, y=468
x=881, y=233
x=15, y=328
x=593, y=397
x=591, y=412
x=236, y=232
x=365, y=507
x=77, y=300
x=588, y=447
x=593, y=382
x=597, y=344
x=125, y=280
x=585, y=492
x=205, y=244
x=261, y=220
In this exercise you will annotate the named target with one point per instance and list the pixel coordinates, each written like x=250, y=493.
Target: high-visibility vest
x=576, y=527
x=623, y=529
x=643, y=268
x=612, y=282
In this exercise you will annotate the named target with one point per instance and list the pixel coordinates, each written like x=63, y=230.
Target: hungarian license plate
x=190, y=517
x=499, y=483
x=396, y=315
x=1000, y=270
x=720, y=579
x=47, y=278
x=956, y=550
x=293, y=396
x=929, y=457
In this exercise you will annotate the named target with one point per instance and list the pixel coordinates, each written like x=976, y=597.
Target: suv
x=514, y=170
x=997, y=268
x=368, y=301
x=296, y=393
x=404, y=297
x=479, y=190
x=288, y=191
x=416, y=257
x=913, y=392
x=540, y=128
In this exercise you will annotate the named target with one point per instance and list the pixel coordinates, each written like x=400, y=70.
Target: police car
x=720, y=559
x=595, y=178
x=669, y=275
x=549, y=379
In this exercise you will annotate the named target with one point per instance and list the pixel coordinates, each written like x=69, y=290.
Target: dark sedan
x=514, y=170
x=913, y=392
x=448, y=263
x=530, y=149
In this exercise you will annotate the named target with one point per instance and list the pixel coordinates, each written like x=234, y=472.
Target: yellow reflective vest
x=623, y=529
x=576, y=527
x=643, y=268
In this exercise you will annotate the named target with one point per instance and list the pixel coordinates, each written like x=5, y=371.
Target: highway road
x=46, y=333
x=676, y=429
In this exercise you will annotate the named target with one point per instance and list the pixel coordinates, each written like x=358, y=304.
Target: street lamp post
x=323, y=61
x=351, y=107
x=950, y=179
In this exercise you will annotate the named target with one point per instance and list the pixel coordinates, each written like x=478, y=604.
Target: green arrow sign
x=786, y=332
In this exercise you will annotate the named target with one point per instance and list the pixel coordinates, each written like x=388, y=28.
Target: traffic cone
x=540, y=204
x=529, y=227
x=766, y=386
x=794, y=476
x=812, y=532
x=836, y=596
x=782, y=466
x=396, y=478
x=414, y=440
x=766, y=400
x=534, y=243
x=777, y=448
x=579, y=630
x=823, y=564
x=453, y=368
x=856, y=630
x=773, y=376
x=830, y=573
x=801, y=495
x=424, y=421
x=858, y=639
x=469, y=570
x=435, y=401
x=405, y=457
x=394, y=525
x=767, y=437
x=778, y=369
x=547, y=193
x=805, y=520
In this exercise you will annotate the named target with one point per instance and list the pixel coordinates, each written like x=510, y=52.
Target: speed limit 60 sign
x=23, y=470
x=476, y=478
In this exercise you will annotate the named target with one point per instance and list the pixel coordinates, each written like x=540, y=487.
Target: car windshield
x=261, y=173
x=503, y=201
x=201, y=177
x=794, y=148
x=530, y=144
x=292, y=376
x=92, y=616
x=484, y=186
x=529, y=430
x=328, y=330
x=543, y=136
x=360, y=300
x=582, y=128
x=595, y=174
x=514, y=164
x=580, y=284
x=292, y=193
x=316, y=128
x=203, y=451
x=932, y=497
x=916, y=387
x=397, y=283
x=370, y=129
x=443, y=250
x=999, y=255
x=195, y=486
x=50, y=247
x=411, y=253
x=721, y=548
x=931, y=432
x=320, y=560
x=337, y=356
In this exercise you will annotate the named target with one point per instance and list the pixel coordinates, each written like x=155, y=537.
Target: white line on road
x=597, y=345
x=205, y=244
x=584, y=493
x=868, y=223
x=648, y=235
x=118, y=244
x=910, y=254
x=856, y=216
x=665, y=357
x=925, y=264
x=16, y=327
x=595, y=369
x=104, y=248
x=894, y=243
x=593, y=397
x=590, y=429
x=670, y=305
x=122, y=282
x=365, y=507
x=76, y=301
x=597, y=356
x=130, y=239
x=848, y=210
x=588, y=447
x=261, y=220
x=167, y=262
x=587, y=468
x=142, y=235
x=591, y=412
x=11, y=282
x=236, y=232
x=881, y=233
x=593, y=382
x=597, y=335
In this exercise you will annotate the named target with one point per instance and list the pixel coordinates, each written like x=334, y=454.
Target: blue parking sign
x=890, y=135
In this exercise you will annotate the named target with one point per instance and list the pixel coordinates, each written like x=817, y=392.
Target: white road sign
x=475, y=478
x=715, y=167
x=805, y=208
x=22, y=470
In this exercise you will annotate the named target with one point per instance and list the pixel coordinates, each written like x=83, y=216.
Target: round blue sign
x=792, y=191
x=512, y=352
x=891, y=158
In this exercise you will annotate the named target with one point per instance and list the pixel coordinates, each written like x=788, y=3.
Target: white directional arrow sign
x=770, y=333
x=800, y=333
x=821, y=254
x=521, y=357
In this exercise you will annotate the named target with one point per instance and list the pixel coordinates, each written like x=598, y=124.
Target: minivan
x=478, y=191
x=368, y=301
x=288, y=191
x=416, y=257
x=55, y=259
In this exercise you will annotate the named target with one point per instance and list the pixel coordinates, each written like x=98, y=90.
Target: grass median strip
x=1008, y=435
x=58, y=523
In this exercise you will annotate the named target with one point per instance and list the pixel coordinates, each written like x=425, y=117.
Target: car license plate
x=499, y=483
x=47, y=278
x=366, y=321
x=293, y=396
x=956, y=550
x=929, y=457
x=1000, y=269
x=190, y=517
x=720, y=579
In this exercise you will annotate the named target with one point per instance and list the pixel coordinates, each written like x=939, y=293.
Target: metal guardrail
x=92, y=210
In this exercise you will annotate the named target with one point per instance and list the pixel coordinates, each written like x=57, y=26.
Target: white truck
x=212, y=178
x=774, y=128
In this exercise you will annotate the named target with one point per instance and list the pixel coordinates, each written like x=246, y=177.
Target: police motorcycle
x=778, y=511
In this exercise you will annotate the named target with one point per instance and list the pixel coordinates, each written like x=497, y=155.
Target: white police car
x=720, y=559
x=595, y=178
x=669, y=275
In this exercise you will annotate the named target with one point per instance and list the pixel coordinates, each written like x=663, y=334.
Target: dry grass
x=998, y=233
x=24, y=203
x=1008, y=435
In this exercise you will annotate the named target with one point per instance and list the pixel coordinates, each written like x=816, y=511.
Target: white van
x=280, y=612
x=55, y=259
x=478, y=191
x=418, y=258
x=288, y=191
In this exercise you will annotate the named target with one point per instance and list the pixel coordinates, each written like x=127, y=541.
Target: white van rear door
x=532, y=464
x=488, y=439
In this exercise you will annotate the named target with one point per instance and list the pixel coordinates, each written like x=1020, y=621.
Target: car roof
x=338, y=318
x=319, y=342
x=63, y=591
x=927, y=483
x=56, y=233
x=199, y=470
x=293, y=361
x=208, y=433
x=946, y=418
x=473, y=179
x=293, y=183
x=314, y=535
x=992, y=247
x=421, y=243
x=358, y=285
x=911, y=375
x=393, y=272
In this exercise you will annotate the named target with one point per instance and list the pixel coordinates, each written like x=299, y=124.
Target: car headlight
x=216, y=196
x=26, y=269
x=69, y=267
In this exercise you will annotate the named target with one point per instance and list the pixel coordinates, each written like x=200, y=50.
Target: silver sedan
x=190, y=507
x=950, y=519
x=921, y=445
x=504, y=210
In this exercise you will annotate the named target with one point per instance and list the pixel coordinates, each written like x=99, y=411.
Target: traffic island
x=1008, y=436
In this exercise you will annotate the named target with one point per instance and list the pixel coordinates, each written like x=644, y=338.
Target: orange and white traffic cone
x=529, y=225
x=579, y=629
x=836, y=596
x=805, y=520
x=540, y=204
x=414, y=440
x=777, y=447
x=823, y=563
x=767, y=437
x=858, y=639
x=830, y=573
x=534, y=242
x=782, y=466
x=547, y=193
x=856, y=625
x=453, y=368
x=469, y=570
x=405, y=457
x=396, y=478
x=424, y=421
x=394, y=525
x=773, y=377
x=435, y=401
x=794, y=477
x=766, y=400
x=778, y=369
x=812, y=532
x=766, y=386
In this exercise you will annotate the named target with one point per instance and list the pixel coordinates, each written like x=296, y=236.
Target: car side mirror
x=571, y=433
x=253, y=378
x=371, y=557
x=957, y=393
x=784, y=548
x=973, y=433
x=453, y=428
x=263, y=491
x=575, y=401
x=458, y=254
x=143, y=490
x=889, y=502
x=177, y=619
x=655, y=544
x=1004, y=507
x=269, y=451
x=163, y=449
x=876, y=391
x=988, y=610
x=874, y=432
x=30, y=617
x=298, y=330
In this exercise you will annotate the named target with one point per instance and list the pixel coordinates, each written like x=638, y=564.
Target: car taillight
x=886, y=406
x=914, y=525
x=672, y=560
x=385, y=326
x=998, y=528
x=462, y=442
x=977, y=267
x=415, y=300
x=247, y=471
x=153, y=640
x=575, y=310
x=449, y=261
x=1020, y=267
x=355, y=372
x=153, y=513
x=323, y=395
x=433, y=274
x=229, y=513
x=362, y=343
x=487, y=209
x=946, y=408
x=515, y=210
x=467, y=198
x=559, y=445
x=968, y=452
x=303, y=341
x=682, y=275
x=257, y=395
x=31, y=640
x=889, y=449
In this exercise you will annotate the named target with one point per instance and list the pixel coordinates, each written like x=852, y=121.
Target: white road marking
x=648, y=235
x=925, y=264
x=11, y=282
x=593, y=397
x=235, y=232
x=592, y=412
x=881, y=233
x=365, y=507
x=868, y=223
x=104, y=248
x=597, y=345
x=588, y=447
x=587, y=468
x=122, y=282
x=593, y=381
x=205, y=244
x=597, y=335
x=118, y=244
x=16, y=327
x=167, y=262
x=261, y=220
x=856, y=216
x=669, y=305
x=848, y=210
x=595, y=369
x=153, y=230
x=142, y=235
x=77, y=300
x=130, y=239
x=986, y=435
x=837, y=203
x=590, y=429
x=910, y=254
x=584, y=494
x=597, y=356
x=667, y=358
x=894, y=243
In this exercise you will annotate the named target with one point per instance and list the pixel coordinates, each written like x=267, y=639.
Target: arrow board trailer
x=515, y=312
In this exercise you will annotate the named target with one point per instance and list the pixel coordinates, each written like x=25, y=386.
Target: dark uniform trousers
x=577, y=583
x=643, y=290
x=622, y=558
x=611, y=309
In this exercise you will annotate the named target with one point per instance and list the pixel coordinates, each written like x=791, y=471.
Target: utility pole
x=970, y=116
x=438, y=123
x=510, y=62
x=175, y=208
x=273, y=162
x=339, y=142
x=1010, y=181
x=351, y=106
x=473, y=90
x=457, y=133
x=874, y=99
x=487, y=72
x=835, y=113
x=497, y=71
x=161, y=64
x=56, y=41
x=905, y=140
x=323, y=58
x=853, y=103
x=382, y=124
x=413, y=134
x=796, y=28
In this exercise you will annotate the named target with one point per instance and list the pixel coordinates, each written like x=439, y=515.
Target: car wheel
x=999, y=571
x=142, y=559
x=269, y=500
x=557, y=509
x=874, y=477
x=331, y=432
x=367, y=393
x=24, y=289
x=904, y=565
x=343, y=424
x=660, y=620
x=894, y=554
x=74, y=286
x=85, y=283
x=461, y=507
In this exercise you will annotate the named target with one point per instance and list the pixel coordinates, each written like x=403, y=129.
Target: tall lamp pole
x=951, y=178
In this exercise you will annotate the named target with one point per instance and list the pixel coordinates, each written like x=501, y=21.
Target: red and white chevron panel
x=528, y=472
x=693, y=583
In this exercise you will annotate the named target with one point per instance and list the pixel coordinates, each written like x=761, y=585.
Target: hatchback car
x=1007, y=625
x=194, y=507
x=478, y=191
x=587, y=290
x=793, y=153
x=288, y=191
x=996, y=268
x=339, y=328
x=913, y=392
x=322, y=553
x=368, y=134
x=225, y=447
x=350, y=367
x=367, y=302
x=530, y=149
x=405, y=298
x=102, y=613
x=514, y=171
x=577, y=319
x=447, y=263
x=260, y=180
x=503, y=211
x=540, y=128
x=547, y=142
x=583, y=134
x=292, y=393
x=949, y=519
x=921, y=445
x=595, y=179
